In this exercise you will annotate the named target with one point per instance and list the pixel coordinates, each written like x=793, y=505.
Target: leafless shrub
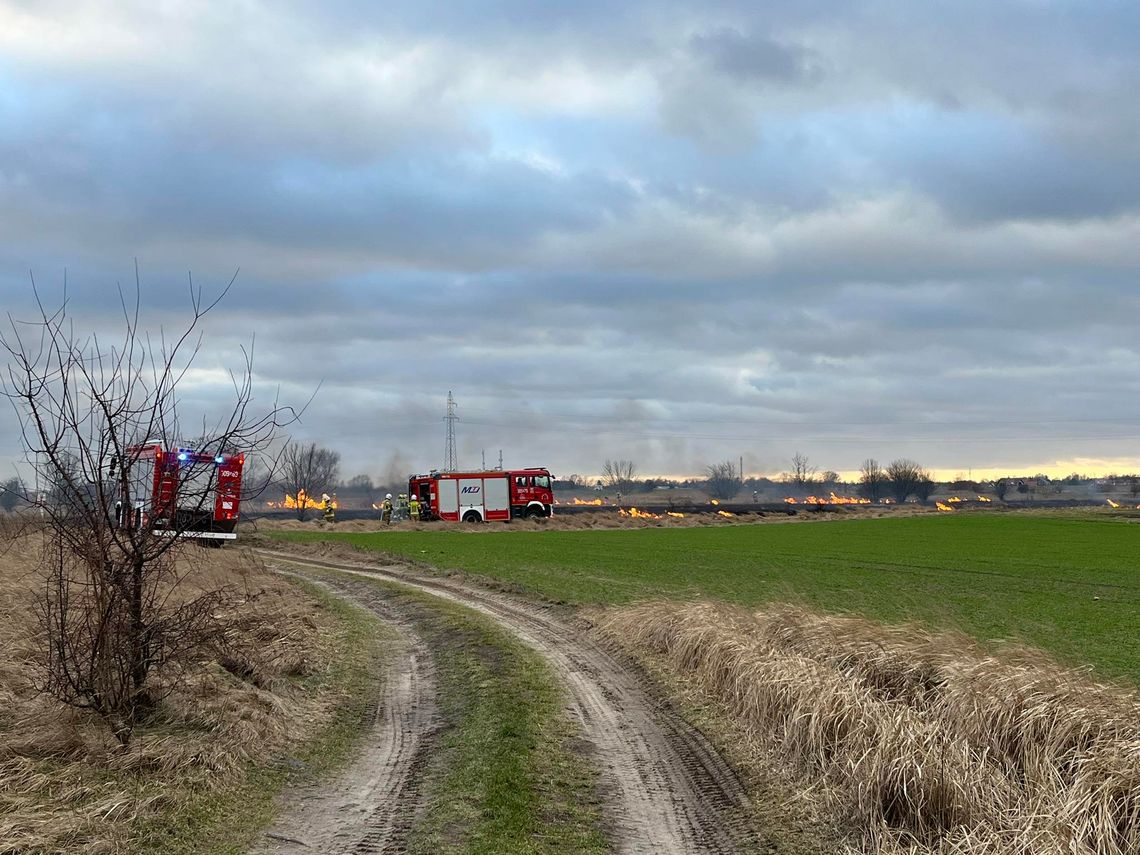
x=115, y=629
x=723, y=480
x=59, y=791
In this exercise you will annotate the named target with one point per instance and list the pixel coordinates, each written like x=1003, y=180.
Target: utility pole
x=450, y=464
x=483, y=453
x=500, y=459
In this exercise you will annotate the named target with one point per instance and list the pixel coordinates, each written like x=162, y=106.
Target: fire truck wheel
x=472, y=517
x=536, y=512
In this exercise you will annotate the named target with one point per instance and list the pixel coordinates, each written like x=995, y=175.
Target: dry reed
x=921, y=742
x=66, y=786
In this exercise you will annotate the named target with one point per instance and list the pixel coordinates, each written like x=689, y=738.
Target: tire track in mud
x=667, y=789
x=371, y=806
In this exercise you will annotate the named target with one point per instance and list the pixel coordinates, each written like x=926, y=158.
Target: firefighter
x=327, y=507
x=401, y=507
x=386, y=510
x=414, y=509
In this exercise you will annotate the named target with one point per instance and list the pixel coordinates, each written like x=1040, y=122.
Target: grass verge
x=215, y=820
x=504, y=776
x=1067, y=583
x=917, y=743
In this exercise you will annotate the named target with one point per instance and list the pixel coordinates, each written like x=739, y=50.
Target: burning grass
x=618, y=518
x=917, y=742
x=67, y=786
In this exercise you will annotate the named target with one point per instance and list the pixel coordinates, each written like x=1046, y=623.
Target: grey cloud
x=768, y=232
x=756, y=59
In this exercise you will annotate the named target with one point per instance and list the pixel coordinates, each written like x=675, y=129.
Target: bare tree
x=802, y=473
x=1001, y=487
x=618, y=474
x=873, y=480
x=905, y=477
x=307, y=471
x=112, y=614
x=723, y=480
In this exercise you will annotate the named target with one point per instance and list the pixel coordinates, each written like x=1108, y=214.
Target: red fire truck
x=483, y=496
x=182, y=492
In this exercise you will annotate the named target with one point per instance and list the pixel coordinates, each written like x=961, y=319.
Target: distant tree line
x=899, y=480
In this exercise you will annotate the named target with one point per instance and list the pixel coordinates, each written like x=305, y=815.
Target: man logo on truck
x=473, y=489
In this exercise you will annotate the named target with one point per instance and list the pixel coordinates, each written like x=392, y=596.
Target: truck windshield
x=542, y=481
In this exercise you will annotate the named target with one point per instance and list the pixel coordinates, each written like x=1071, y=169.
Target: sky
x=673, y=232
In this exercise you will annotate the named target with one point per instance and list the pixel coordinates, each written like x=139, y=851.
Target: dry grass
x=66, y=785
x=919, y=742
x=594, y=520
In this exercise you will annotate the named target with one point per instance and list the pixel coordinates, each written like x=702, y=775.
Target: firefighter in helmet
x=328, y=508
x=414, y=508
x=386, y=510
x=401, y=507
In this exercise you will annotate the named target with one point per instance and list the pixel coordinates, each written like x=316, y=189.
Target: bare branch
x=116, y=628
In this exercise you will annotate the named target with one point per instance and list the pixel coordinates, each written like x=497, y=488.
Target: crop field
x=1067, y=583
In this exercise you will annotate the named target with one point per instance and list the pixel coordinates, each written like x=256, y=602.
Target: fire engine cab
x=181, y=493
x=483, y=496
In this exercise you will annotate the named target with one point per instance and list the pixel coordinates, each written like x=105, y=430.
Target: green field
x=1066, y=583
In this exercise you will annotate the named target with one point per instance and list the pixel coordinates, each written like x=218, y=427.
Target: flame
x=984, y=499
x=953, y=500
x=830, y=500
x=642, y=515
x=1112, y=504
x=886, y=501
x=714, y=501
x=725, y=514
x=577, y=501
x=303, y=500
x=942, y=507
x=845, y=500
x=674, y=514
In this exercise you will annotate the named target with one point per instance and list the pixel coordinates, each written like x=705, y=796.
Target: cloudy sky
x=670, y=231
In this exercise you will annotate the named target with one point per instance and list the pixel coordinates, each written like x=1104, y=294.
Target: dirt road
x=370, y=806
x=667, y=789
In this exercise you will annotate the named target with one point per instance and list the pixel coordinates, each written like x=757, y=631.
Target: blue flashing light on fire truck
x=483, y=495
x=181, y=493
